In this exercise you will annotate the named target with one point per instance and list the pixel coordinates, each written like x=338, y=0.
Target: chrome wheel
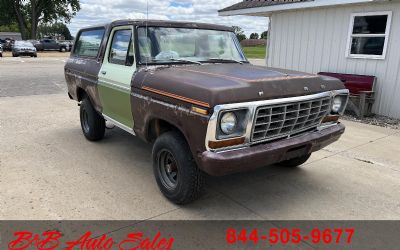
x=168, y=169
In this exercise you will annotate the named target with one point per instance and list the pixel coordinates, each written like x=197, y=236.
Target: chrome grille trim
x=252, y=108
x=282, y=120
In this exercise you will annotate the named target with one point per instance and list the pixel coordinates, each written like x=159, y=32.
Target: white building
x=341, y=36
x=10, y=35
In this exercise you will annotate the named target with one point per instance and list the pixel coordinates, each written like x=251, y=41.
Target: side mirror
x=130, y=59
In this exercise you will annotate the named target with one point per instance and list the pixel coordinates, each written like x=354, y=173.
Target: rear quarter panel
x=82, y=72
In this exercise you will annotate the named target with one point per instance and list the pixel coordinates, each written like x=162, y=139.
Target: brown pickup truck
x=189, y=89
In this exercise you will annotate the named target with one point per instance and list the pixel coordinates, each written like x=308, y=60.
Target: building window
x=369, y=35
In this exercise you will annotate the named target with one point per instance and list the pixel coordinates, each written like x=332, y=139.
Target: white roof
x=267, y=10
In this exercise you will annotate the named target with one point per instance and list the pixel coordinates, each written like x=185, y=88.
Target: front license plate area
x=296, y=152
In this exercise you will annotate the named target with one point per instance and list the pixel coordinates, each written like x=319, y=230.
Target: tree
x=54, y=30
x=254, y=36
x=9, y=28
x=29, y=13
x=239, y=33
x=6, y=13
x=264, y=35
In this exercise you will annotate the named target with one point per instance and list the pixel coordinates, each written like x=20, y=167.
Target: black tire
x=189, y=179
x=63, y=49
x=92, y=123
x=295, y=162
x=14, y=55
x=34, y=55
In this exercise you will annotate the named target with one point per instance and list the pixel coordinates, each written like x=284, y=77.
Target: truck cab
x=188, y=89
x=50, y=44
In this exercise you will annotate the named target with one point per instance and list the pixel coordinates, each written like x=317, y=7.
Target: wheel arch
x=80, y=93
x=157, y=126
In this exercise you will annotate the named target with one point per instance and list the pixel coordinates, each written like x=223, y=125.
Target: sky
x=95, y=12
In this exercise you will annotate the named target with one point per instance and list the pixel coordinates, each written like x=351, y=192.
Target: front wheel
x=63, y=49
x=295, y=162
x=176, y=173
x=93, y=125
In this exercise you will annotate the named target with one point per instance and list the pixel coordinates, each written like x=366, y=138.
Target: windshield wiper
x=224, y=60
x=177, y=60
x=185, y=60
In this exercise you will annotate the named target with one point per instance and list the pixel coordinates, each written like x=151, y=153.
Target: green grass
x=257, y=52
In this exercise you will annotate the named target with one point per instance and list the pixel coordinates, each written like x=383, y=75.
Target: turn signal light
x=331, y=118
x=200, y=110
x=225, y=143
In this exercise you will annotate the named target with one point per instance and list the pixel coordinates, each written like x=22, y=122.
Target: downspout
x=268, y=40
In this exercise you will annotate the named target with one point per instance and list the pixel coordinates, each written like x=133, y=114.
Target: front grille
x=277, y=121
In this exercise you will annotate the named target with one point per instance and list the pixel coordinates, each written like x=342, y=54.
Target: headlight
x=337, y=104
x=232, y=123
x=228, y=123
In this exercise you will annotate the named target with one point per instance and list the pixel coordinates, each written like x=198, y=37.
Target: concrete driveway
x=49, y=171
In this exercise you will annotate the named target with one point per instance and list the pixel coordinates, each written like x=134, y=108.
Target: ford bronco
x=189, y=89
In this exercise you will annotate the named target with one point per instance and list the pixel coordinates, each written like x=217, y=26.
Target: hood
x=24, y=47
x=213, y=84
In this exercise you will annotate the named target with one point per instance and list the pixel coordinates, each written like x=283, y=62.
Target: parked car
x=23, y=48
x=36, y=43
x=68, y=44
x=188, y=88
x=8, y=44
x=1, y=50
x=50, y=44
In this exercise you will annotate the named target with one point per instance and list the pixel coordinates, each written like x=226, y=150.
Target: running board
x=119, y=125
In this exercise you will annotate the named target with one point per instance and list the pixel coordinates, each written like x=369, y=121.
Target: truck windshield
x=159, y=45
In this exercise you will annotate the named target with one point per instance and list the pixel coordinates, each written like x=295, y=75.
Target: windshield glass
x=165, y=45
x=23, y=43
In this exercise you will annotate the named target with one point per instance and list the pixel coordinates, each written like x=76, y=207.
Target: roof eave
x=267, y=10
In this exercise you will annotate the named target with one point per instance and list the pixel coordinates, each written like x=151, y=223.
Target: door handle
x=103, y=72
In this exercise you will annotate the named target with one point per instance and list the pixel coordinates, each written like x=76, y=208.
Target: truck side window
x=144, y=44
x=121, y=51
x=88, y=43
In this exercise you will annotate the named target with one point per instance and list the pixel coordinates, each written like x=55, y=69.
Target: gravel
x=377, y=120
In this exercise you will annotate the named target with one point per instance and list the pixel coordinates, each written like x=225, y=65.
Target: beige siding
x=316, y=40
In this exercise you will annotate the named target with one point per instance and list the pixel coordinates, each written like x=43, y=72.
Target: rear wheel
x=295, y=162
x=92, y=123
x=176, y=173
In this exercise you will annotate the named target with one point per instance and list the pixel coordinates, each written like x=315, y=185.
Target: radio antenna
x=147, y=19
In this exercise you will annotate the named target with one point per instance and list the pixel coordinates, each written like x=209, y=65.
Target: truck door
x=53, y=45
x=115, y=77
x=45, y=44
